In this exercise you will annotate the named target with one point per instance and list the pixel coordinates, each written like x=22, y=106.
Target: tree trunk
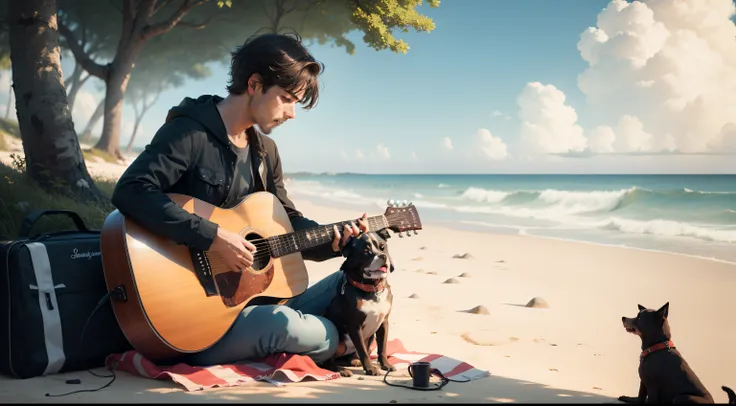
x=117, y=82
x=10, y=99
x=72, y=96
x=138, y=119
x=96, y=116
x=53, y=156
x=71, y=83
x=139, y=115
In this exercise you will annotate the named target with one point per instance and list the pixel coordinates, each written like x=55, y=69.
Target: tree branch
x=82, y=58
x=161, y=4
x=157, y=29
x=194, y=25
x=129, y=10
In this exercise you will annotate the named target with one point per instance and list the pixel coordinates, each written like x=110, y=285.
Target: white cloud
x=727, y=139
x=414, y=156
x=383, y=151
x=665, y=68
x=359, y=154
x=447, y=143
x=497, y=113
x=344, y=155
x=661, y=77
x=493, y=147
x=548, y=124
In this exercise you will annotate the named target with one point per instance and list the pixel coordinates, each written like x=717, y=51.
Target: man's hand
x=236, y=251
x=350, y=230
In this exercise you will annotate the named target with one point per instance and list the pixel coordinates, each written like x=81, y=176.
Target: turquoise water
x=687, y=214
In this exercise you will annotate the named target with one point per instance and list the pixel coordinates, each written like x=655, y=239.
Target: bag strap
x=33, y=217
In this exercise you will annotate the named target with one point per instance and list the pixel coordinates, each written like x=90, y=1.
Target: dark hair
x=281, y=60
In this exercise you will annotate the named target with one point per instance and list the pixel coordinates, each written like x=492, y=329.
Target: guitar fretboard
x=297, y=241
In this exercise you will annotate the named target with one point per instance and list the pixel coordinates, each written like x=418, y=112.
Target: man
x=209, y=148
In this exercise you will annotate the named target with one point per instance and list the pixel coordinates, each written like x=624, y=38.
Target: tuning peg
x=406, y=203
x=416, y=232
x=408, y=233
x=390, y=202
x=401, y=235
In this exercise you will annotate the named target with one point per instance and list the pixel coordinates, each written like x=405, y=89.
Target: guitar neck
x=301, y=240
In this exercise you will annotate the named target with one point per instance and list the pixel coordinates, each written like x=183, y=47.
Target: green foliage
x=378, y=19
x=20, y=195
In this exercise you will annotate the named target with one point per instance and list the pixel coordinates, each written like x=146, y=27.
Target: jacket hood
x=202, y=110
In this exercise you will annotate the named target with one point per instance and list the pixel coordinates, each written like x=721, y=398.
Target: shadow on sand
x=131, y=389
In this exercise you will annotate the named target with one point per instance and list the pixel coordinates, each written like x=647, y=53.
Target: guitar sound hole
x=263, y=251
x=235, y=287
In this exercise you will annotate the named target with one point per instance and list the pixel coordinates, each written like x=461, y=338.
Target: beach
x=574, y=350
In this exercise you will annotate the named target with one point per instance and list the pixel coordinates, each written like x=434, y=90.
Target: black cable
x=437, y=386
x=119, y=291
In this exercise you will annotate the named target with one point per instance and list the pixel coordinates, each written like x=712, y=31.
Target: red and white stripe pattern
x=277, y=369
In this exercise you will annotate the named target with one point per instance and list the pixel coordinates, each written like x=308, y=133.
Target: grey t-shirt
x=243, y=176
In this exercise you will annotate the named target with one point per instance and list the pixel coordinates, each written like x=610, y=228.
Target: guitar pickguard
x=203, y=269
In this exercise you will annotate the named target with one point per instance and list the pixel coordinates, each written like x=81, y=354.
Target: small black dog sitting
x=361, y=310
x=665, y=377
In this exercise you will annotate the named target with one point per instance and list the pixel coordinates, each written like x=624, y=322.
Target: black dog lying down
x=361, y=310
x=665, y=377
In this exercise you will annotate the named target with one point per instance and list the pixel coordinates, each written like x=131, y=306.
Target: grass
x=9, y=127
x=20, y=195
x=90, y=154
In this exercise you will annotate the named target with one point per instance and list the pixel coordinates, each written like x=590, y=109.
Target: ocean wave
x=668, y=228
x=555, y=201
x=552, y=200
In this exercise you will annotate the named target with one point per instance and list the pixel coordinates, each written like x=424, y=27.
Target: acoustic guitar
x=173, y=300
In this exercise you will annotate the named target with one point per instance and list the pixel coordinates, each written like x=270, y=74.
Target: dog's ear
x=641, y=307
x=384, y=233
x=664, y=310
x=348, y=247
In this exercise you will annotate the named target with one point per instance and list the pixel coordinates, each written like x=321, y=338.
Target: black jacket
x=191, y=154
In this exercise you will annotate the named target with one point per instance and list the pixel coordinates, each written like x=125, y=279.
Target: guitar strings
x=278, y=242
x=256, y=241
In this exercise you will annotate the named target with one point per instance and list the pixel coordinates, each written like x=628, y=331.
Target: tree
x=146, y=20
x=153, y=74
x=5, y=65
x=50, y=143
x=140, y=23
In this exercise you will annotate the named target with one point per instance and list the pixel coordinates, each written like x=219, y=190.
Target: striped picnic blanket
x=277, y=369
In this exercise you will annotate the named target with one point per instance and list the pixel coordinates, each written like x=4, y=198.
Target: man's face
x=272, y=108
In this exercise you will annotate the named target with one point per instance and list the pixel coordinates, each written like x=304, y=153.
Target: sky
x=513, y=87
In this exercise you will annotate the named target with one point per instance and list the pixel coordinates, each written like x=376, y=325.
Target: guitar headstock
x=402, y=217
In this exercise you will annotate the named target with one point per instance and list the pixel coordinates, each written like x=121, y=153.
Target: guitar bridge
x=203, y=270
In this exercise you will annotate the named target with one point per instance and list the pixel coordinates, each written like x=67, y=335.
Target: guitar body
x=179, y=302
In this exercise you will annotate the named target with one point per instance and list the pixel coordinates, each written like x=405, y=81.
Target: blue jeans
x=296, y=327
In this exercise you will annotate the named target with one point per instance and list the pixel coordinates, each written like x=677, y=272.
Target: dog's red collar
x=367, y=287
x=657, y=347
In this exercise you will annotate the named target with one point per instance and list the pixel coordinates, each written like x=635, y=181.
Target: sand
x=95, y=166
x=574, y=350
